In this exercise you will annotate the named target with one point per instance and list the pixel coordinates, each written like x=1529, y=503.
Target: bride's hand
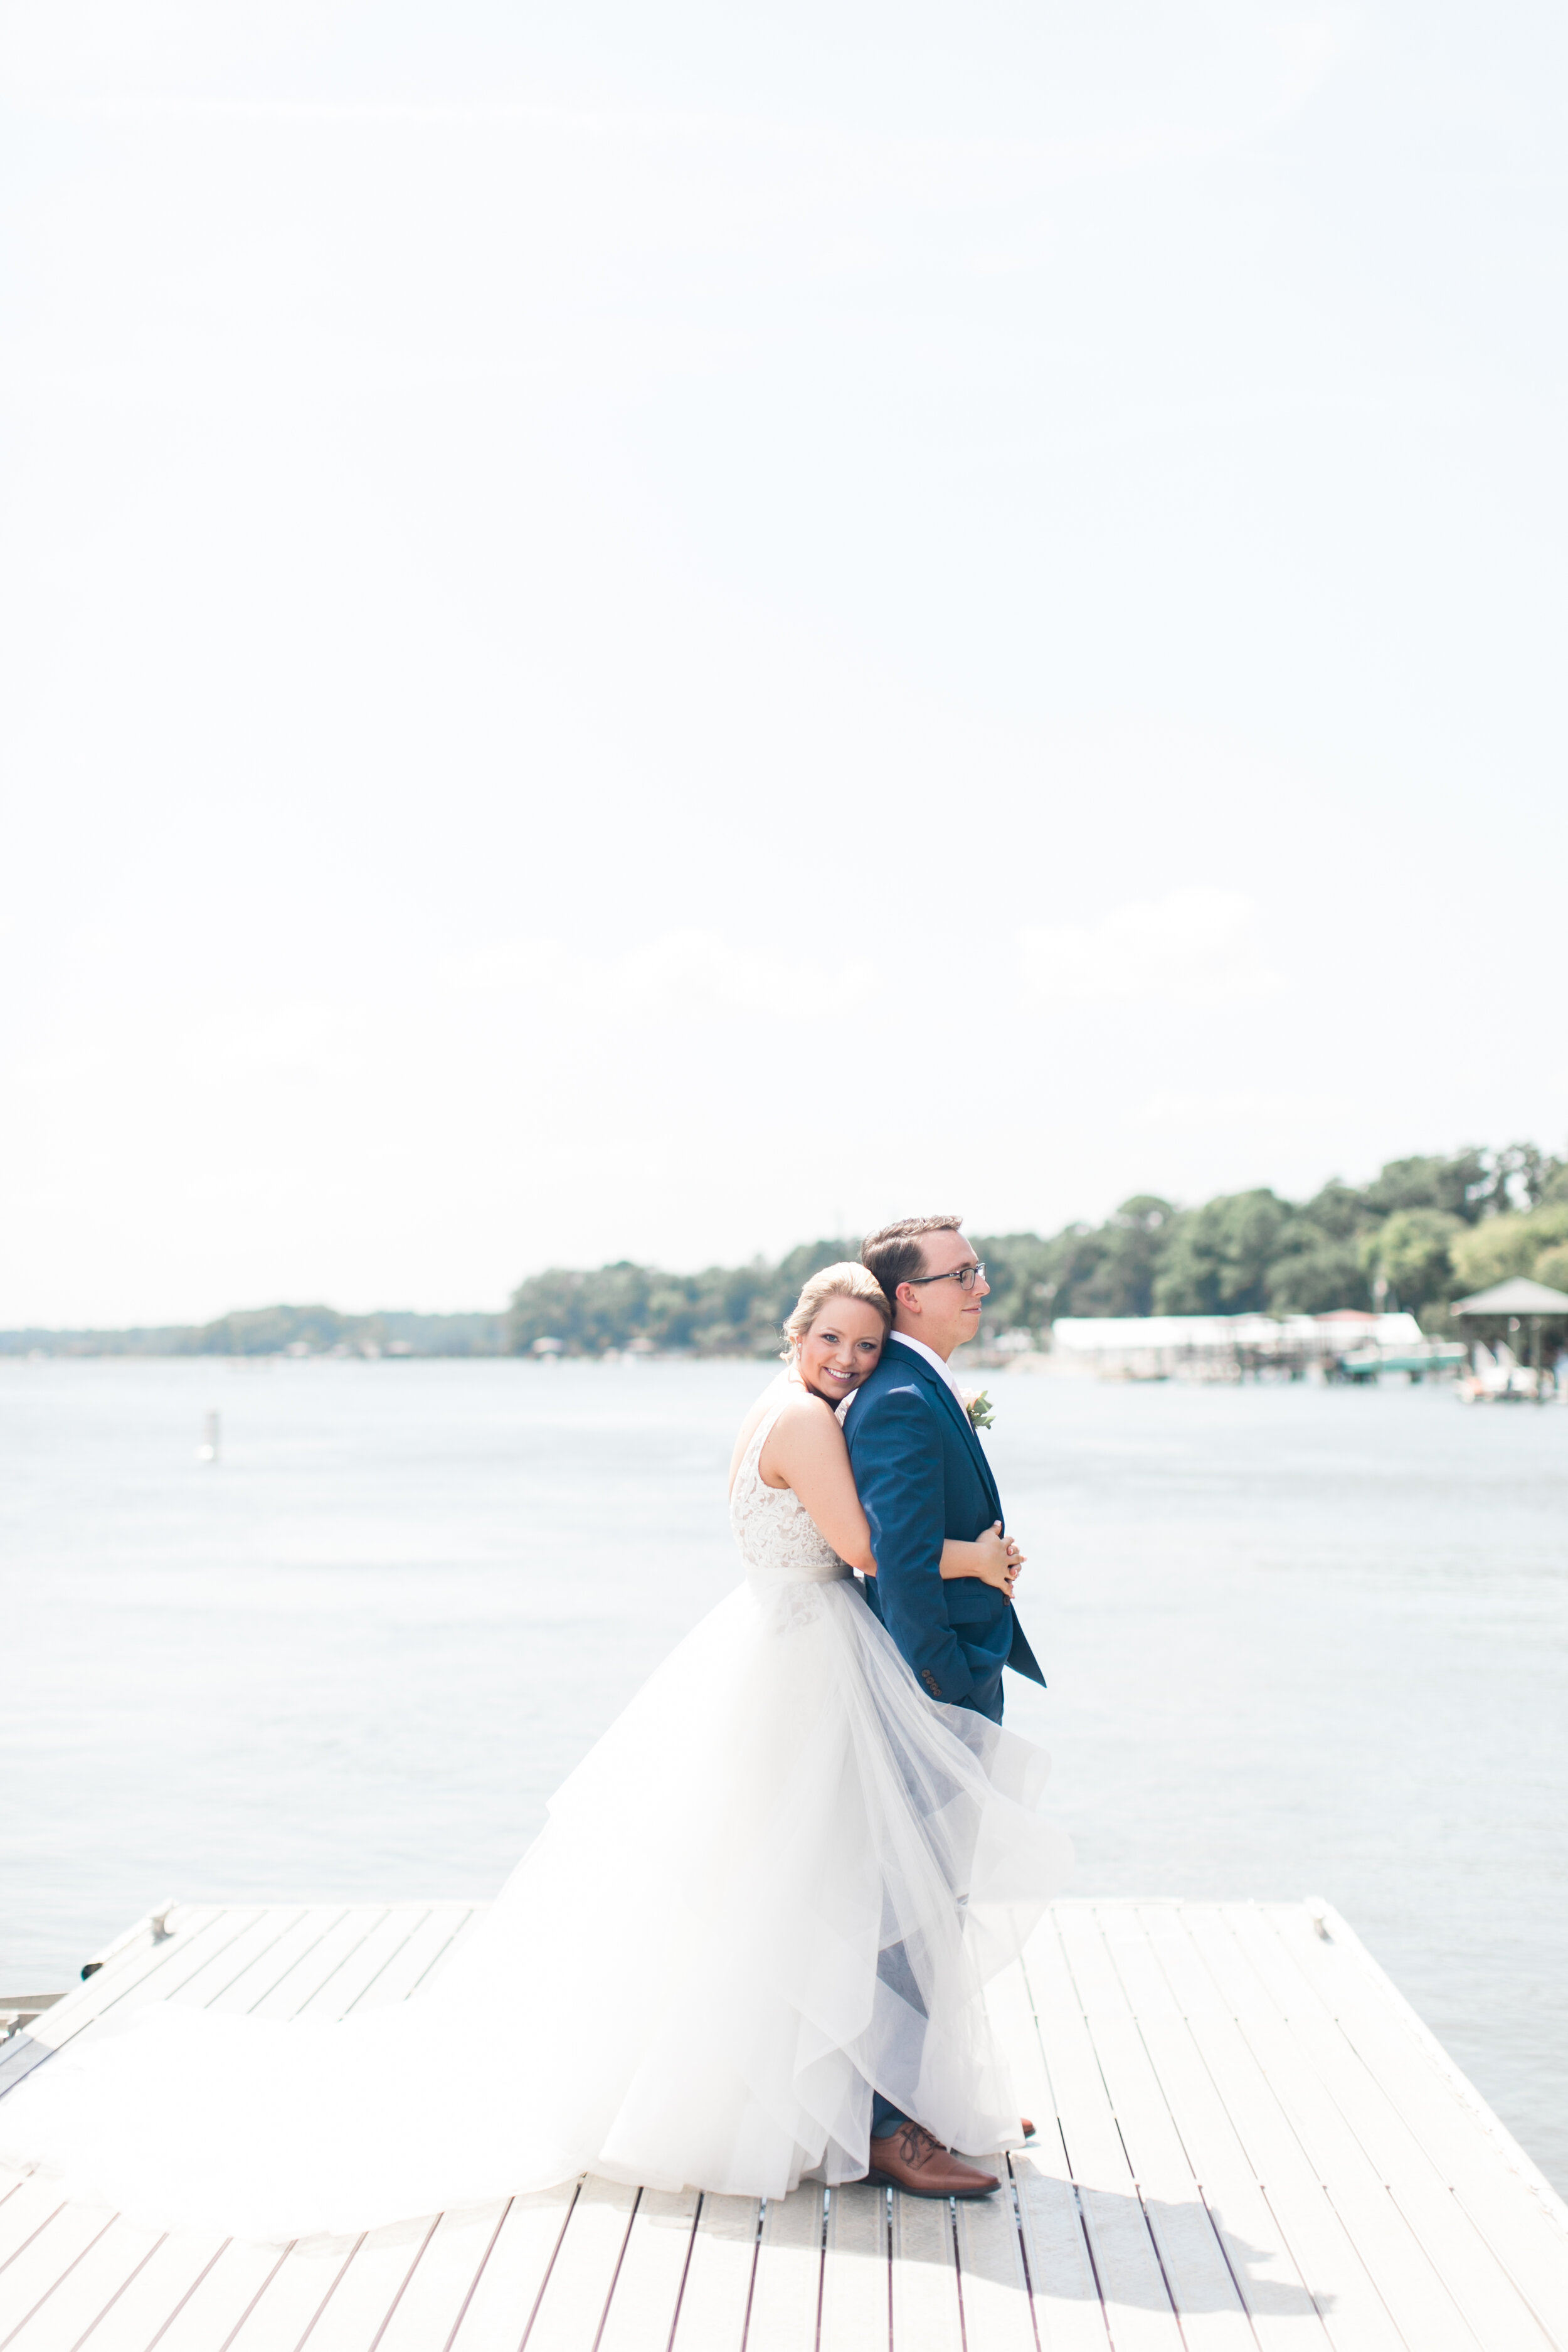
x=998, y=1559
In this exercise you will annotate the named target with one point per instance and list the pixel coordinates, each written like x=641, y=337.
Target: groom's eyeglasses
x=966, y=1276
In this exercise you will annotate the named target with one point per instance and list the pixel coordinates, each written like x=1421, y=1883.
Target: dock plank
x=70, y=2313
x=1064, y=2291
x=1126, y=2260
x=436, y=2294
x=1409, y=2275
x=1483, y=2169
x=787, y=2287
x=1246, y=2139
x=207, y=2315
x=500, y=2311
x=713, y=2307
x=577, y=2292
x=1278, y=2302
x=415, y=1959
x=1320, y=2246
x=472, y=1919
x=993, y=2292
x=371, y=2287
x=30, y=2202
x=295, y=2295
x=238, y=1976
x=140, y=1951
x=191, y=1969
x=857, y=2287
x=309, y=1972
x=149, y=2299
x=137, y=1960
x=926, y=2314
x=41, y=2266
x=641, y=2317
x=1063, y=2288
x=1197, y=2274
x=364, y=1961
x=1483, y=2290
x=262, y=1972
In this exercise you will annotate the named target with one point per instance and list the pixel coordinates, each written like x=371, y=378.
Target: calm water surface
x=1300, y=1642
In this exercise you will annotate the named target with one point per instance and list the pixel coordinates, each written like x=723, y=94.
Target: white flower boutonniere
x=977, y=1405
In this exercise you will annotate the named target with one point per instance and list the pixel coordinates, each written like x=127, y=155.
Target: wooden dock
x=1248, y=2142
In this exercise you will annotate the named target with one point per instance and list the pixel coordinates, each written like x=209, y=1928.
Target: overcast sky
x=654, y=632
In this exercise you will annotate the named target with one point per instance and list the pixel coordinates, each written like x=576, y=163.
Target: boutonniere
x=977, y=1405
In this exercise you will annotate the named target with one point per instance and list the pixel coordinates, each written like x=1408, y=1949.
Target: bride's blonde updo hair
x=846, y=1281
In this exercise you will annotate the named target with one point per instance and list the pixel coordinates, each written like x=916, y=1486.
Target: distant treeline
x=280, y=1331
x=1427, y=1231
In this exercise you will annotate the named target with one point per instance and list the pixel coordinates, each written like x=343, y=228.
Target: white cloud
x=308, y=1038
x=680, y=978
x=1194, y=948
x=1251, y=1109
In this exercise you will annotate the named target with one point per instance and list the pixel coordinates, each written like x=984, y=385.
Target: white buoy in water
x=207, y=1451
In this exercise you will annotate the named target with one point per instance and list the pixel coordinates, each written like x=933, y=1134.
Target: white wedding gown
x=678, y=1985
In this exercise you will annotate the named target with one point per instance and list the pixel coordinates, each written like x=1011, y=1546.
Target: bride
x=776, y=1885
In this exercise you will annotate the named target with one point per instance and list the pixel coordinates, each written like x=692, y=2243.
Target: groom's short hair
x=895, y=1254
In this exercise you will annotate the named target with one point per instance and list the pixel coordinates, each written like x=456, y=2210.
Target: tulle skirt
x=780, y=1879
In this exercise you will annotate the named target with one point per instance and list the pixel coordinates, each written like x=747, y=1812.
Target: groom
x=922, y=1475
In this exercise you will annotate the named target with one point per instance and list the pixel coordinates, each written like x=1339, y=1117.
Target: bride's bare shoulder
x=805, y=1411
x=797, y=1415
x=805, y=1428
x=768, y=1400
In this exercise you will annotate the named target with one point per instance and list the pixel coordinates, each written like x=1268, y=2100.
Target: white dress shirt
x=938, y=1363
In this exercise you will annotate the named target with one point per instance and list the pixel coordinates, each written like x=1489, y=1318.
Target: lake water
x=1300, y=1642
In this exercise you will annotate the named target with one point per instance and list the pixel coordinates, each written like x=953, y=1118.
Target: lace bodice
x=779, y=1542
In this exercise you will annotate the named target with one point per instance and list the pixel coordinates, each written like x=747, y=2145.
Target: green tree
x=1521, y=1173
x=1461, y=1186
x=1412, y=1251
x=1072, y=1276
x=587, y=1313
x=1315, y=1273
x=1132, y=1241
x=1217, y=1259
x=724, y=1310
x=267, y=1330
x=1339, y=1211
x=1507, y=1245
x=1023, y=1273
x=1551, y=1267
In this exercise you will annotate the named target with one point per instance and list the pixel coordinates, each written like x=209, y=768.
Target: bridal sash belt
x=802, y=1572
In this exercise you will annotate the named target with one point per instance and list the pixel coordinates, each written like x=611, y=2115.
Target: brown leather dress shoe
x=911, y=2161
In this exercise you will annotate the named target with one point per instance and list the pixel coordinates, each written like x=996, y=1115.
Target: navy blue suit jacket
x=922, y=1475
